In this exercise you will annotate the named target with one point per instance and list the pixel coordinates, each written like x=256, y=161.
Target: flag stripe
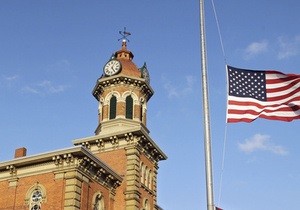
x=283, y=96
x=235, y=108
x=245, y=91
x=282, y=87
x=293, y=100
x=286, y=112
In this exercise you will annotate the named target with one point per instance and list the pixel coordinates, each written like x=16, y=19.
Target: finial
x=124, y=44
x=124, y=35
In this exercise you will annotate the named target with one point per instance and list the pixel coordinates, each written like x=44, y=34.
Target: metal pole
x=207, y=138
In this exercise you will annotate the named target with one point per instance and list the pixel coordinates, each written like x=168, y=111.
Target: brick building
x=116, y=169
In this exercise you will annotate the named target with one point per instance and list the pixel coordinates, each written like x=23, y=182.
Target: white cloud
x=50, y=88
x=284, y=48
x=29, y=89
x=288, y=47
x=10, y=78
x=255, y=48
x=44, y=87
x=180, y=90
x=261, y=142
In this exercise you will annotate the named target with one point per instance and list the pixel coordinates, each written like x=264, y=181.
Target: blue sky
x=52, y=52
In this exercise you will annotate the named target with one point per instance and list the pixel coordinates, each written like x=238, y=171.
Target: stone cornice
x=99, y=174
x=119, y=125
x=64, y=159
x=104, y=82
x=132, y=136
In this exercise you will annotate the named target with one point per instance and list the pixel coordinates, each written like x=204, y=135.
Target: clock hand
x=113, y=66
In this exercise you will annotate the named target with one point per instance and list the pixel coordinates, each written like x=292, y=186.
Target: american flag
x=266, y=94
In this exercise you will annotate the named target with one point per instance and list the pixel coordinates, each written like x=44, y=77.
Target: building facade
x=115, y=169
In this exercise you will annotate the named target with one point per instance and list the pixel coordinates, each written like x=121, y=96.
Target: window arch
x=145, y=175
x=149, y=179
x=98, y=201
x=142, y=172
x=129, y=107
x=146, y=204
x=113, y=107
x=35, y=196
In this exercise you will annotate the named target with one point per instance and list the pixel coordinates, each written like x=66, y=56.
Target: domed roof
x=125, y=57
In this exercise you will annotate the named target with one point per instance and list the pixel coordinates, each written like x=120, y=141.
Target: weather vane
x=124, y=34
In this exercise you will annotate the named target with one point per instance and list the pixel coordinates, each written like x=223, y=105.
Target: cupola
x=123, y=92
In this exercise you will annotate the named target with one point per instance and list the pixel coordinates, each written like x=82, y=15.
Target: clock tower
x=122, y=91
x=122, y=138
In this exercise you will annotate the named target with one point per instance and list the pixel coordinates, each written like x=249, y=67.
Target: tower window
x=129, y=107
x=141, y=113
x=113, y=107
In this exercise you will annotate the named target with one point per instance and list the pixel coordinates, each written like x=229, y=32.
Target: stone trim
x=132, y=194
x=122, y=139
x=59, y=161
x=105, y=82
x=72, y=190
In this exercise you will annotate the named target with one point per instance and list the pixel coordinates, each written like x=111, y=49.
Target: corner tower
x=122, y=138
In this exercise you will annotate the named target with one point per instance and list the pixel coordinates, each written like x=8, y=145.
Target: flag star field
x=247, y=84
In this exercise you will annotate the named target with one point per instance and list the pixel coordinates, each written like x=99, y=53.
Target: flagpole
x=207, y=138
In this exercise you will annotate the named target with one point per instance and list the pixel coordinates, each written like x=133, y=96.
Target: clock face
x=112, y=67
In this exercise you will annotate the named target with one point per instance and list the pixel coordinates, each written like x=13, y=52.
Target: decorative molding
x=12, y=170
x=132, y=94
x=99, y=174
x=86, y=145
x=129, y=138
x=122, y=139
x=103, y=83
x=68, y=158
x=111, y=94
x=114, y=141
x=57, y=160
x=100, y=144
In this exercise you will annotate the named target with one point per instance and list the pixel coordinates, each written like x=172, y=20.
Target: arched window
x=129, y=107
x=98, y=202
x=145, y=175
x=113, y=107
x=149, y=179
x=36, y=200
x=141, y=172
x=35, y=196
x=146, y=204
